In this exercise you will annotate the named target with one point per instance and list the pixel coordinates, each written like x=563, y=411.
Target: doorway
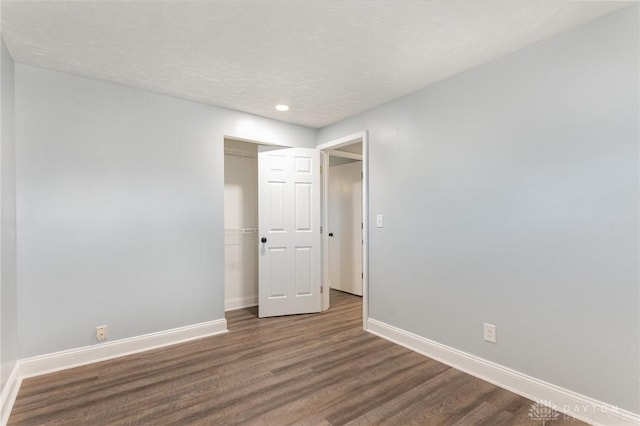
x=242, y=270
x=345, y=219
x=273, y=247
x=352, y=147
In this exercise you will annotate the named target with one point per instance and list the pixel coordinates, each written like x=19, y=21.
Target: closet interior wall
x=241, y=224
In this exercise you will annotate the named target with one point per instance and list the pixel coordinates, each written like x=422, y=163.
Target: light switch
x=379, y=221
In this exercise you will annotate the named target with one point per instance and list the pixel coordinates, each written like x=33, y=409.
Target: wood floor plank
x=319, y=369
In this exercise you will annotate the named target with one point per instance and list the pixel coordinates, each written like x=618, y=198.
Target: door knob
x=264, y=240
x=331, y=234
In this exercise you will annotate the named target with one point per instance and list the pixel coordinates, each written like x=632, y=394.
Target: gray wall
x=120, y=208
x=8, y=289
x=510, y=195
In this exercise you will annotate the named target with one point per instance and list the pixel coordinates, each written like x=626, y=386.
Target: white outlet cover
x=490, y=333
x=101, y=333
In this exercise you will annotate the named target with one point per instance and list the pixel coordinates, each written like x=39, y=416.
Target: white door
x=345, y=227
x=289, y=231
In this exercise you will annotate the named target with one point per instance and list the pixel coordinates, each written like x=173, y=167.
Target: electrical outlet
x=490, y=333
x=379, y=221
x=101, y=333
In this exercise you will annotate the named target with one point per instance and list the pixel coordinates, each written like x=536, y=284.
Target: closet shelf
x=241, y=230
x=240, y=153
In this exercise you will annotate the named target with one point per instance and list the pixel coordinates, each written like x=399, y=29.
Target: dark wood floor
x=317, y=369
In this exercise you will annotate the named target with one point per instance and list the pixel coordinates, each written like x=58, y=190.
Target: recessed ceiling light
x=282, y=107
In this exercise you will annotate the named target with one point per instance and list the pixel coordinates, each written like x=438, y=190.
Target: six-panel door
x=289, y=225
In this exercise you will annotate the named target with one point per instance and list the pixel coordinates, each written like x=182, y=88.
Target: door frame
x=325, y=149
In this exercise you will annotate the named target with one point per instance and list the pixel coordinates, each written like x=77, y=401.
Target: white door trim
x=343, y=154
x=326, y=148
x=344, y=141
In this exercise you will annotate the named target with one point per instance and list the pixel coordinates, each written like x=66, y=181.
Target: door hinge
x=320, y=169
x=321, y=229
x=321, y=288
x=361, y=175
x=362, y=276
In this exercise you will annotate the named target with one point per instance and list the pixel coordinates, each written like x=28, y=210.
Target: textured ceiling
x=326, y=59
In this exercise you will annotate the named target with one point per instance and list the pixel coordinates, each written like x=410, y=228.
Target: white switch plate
x=379, y=221
x=490, y=333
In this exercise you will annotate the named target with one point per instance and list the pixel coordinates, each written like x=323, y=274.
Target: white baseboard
x=240, y=302
x=57, y=361
x=49, y=363
x=9, y=394
x=563, y=400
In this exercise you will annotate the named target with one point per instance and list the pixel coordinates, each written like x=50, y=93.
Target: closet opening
x=240, y=224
